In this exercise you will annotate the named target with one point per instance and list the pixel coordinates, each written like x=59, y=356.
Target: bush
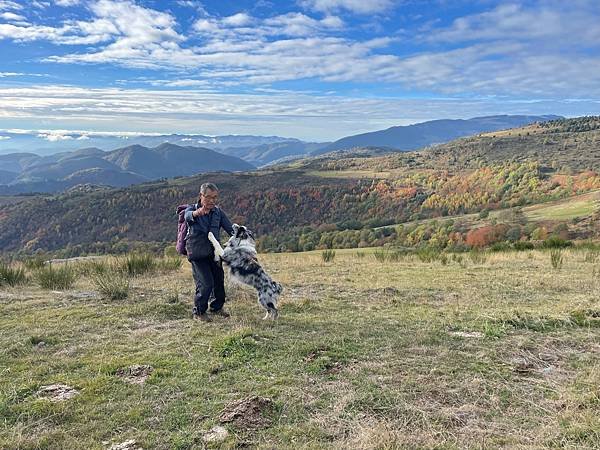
x=328, y=255
x=556, y=242
x=11, y=276
x=523, y=245
x=500, y=247
x=59, y=278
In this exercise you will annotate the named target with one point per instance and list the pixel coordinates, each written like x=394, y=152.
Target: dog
x=239, y=255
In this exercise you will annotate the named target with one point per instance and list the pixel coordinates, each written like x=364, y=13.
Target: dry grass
x=502, y=353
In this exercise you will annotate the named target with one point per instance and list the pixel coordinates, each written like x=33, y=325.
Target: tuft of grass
x=93, y=267
x=169, y=264
x=12, y=276
x=135, y=265
x=428, y=254
x=34, y=263
x=113, y=285
x=328, y=255
x=477, y=256
x=381, y=255
x=556, y=258
x=238, y=345
x=56, y=278
x=360, y=255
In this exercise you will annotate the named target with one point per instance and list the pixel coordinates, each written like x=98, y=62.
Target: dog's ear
x=235, y=227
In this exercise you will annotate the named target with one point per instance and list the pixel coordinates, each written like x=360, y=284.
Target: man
x=208, y=274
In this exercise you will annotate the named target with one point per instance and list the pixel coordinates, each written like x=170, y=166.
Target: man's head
x=209, y=195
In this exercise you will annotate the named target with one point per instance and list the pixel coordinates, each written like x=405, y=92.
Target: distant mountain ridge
x=27, y=172
x=412, y=137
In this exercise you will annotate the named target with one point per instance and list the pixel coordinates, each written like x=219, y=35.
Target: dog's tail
x=277, y=287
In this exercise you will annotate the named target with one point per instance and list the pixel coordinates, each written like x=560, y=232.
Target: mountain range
x=412, y=137
x=27, y=172
x=179, y=155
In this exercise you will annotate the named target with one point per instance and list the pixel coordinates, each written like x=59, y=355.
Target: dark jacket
x=197, y=244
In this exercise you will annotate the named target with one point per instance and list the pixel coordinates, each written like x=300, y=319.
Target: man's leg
x=219, y=286
x=203, y=278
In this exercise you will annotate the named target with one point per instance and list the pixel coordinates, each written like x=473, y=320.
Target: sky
x=317, y=70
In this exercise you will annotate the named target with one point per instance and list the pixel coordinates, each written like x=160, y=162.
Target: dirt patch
x=137, y=374
x=57, y=392
x=250, y=412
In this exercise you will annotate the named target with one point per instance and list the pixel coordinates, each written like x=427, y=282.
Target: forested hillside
x=344, y=202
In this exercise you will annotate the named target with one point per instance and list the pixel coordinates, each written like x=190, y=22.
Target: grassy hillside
x=480, y=351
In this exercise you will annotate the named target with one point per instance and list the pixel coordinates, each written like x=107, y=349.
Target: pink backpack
x=182, y=230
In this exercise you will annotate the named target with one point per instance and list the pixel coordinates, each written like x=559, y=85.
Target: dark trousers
x=208, y=276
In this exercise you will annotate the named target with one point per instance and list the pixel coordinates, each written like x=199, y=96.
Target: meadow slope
x=475, y=351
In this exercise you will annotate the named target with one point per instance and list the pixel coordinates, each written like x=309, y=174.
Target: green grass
x=398, y=353
x=572, y=208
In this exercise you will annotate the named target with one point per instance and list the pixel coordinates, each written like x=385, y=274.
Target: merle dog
x=240, y=256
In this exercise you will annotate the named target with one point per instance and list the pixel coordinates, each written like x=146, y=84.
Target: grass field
x=499, y=351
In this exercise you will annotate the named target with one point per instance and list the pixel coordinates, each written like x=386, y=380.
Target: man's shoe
x=220, y=312
x=203, y=317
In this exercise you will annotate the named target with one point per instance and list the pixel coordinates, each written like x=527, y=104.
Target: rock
x=216, y=434
x=57, y=392
x=467, y=334
x=131, y=444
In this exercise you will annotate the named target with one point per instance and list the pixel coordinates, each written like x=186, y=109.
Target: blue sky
x=312, y=69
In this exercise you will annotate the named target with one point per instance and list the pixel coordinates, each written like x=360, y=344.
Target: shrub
x=523, y=245
x=92, y=267
x=556, y=242
x=12, y=276
x=500, y=247
x=59, y=278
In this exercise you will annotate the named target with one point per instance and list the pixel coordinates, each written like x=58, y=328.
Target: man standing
x=203, y=217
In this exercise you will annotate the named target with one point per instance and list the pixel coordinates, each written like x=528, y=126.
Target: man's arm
x=226, y=223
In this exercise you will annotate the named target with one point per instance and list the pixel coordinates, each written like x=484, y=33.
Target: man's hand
x=200, y=212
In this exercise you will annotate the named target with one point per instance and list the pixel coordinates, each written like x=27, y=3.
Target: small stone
x=216, y=434
x=57, y=392
x=467, y=334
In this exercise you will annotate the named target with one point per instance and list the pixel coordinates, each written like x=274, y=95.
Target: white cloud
x=238, y=20
x=313, y=117
x=55, y=136
x=10, y=5
x=356, y=6
x=10, y=74
x=12, y=17
x=67, y=3
x=4, y=138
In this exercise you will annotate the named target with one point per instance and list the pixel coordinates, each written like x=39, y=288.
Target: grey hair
x=208, y=187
